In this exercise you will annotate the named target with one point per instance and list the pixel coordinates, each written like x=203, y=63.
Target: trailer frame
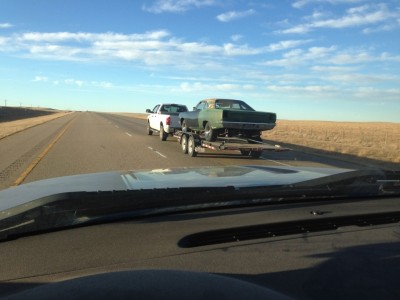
x=193, y=143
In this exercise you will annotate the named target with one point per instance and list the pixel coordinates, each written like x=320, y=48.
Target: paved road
x=86, y=142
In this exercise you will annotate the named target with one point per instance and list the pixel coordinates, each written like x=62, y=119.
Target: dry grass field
x=378, y=141
x=134, y=115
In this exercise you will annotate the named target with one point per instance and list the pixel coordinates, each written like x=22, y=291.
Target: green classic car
x=228, y=118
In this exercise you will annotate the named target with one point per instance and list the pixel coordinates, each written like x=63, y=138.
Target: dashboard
x=330, y=250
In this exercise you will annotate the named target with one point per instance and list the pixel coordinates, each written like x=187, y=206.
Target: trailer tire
x=184, y=144
x=191, y=147
x=148, y=129
x=245, y=152
x=163, y=134
x=255, y=154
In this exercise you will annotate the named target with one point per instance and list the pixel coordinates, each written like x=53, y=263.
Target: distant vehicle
x=164, y=118
x=228, y=118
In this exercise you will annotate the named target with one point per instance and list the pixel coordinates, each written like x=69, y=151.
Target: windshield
x=173, y=108
x=199, y=149
x=316, y=85
x=232, y=104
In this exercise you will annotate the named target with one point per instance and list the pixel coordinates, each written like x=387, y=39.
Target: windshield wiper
x=82, y=208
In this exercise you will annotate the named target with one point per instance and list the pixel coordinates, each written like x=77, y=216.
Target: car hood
x=232, y=176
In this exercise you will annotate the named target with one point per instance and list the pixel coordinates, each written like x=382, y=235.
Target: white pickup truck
x=164, y=118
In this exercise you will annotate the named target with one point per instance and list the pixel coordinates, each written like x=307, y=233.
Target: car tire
x=191, y=146
x=148, y=129
x=184, y=144
x=209, y=133
x=163, y=134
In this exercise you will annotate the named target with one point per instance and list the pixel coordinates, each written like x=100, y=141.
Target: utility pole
x=5, y=102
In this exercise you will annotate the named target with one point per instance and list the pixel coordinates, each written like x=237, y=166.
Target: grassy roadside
x=379, y=141
x=12, y=127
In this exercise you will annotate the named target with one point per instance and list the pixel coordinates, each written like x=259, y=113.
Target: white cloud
x=282, y=45
x=357, y=78
x=234, y=50
x=212, y=88
x=5, y=25
x=236, y=37
x=234, y=15
x=90, y=37
x=149, y=48
x=40, y=78
x=332, y=69
x=301, y=3
x=71, y=81
x=3, y=42
x=369, y=14
x=176, y=6
x=303, y=89
x=298, y=57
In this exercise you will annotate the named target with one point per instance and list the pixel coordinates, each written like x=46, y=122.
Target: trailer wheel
x=184, y=144
x=191, y=147
x=209, y=133
x=245, y=152
x=163, y=134
x=148, y=129
x=255, y=154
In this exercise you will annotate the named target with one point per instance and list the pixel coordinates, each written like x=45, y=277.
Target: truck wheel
x=255, y=154
x=209, y=133
x=163, y=134
x=148, y=129
x=185, y=128
x=184, y=143
x=191, y=147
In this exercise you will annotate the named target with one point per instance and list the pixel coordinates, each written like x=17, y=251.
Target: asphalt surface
x=88, y=142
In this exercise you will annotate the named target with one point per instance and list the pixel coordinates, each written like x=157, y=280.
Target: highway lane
x=18, y=151
x=170, y=148
x=87, y=142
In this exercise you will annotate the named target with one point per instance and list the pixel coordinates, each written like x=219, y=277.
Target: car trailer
x=193, y=143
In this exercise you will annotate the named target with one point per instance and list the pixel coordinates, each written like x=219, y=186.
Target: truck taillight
x=168, y=120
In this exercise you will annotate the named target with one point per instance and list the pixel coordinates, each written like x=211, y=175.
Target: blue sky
x=305, y=59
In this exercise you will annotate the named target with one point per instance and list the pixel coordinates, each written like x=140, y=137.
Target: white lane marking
x=128, y=133
x=277, y=162
x=162, y=155
x=159, y=153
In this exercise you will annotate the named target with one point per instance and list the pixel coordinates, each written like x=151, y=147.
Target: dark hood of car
x=233, y=176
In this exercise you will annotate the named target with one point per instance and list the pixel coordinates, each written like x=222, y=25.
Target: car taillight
x=168, y=121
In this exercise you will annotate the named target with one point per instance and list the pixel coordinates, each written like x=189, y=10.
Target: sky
x=334, y=60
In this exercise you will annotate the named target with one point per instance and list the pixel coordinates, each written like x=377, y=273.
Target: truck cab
x=164, y=119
